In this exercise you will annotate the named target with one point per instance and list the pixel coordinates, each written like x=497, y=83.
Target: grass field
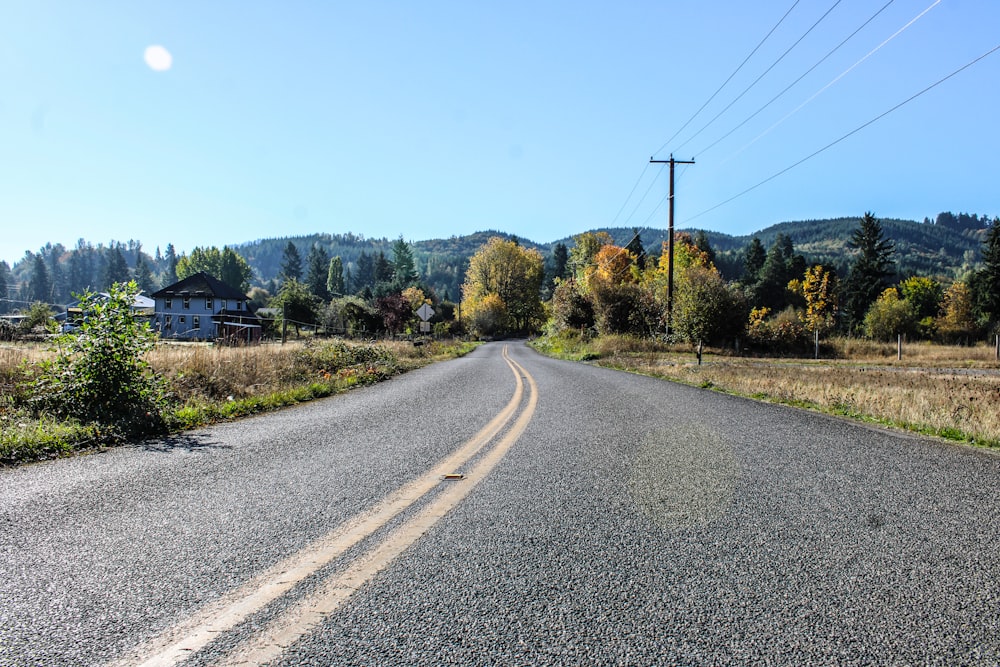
x=947, y=391
x=209, y=383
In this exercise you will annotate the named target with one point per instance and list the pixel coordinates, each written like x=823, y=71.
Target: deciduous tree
x=505, y=272
x=335, y=283
x=957, y=321
x=819, y=288
x=888, y=317
x=227, y=265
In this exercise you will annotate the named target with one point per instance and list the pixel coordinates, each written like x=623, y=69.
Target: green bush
x=99, y=374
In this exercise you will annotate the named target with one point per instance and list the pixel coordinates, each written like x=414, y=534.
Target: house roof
x=200, y=284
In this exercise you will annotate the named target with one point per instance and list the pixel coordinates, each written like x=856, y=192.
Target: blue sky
x=431, y=119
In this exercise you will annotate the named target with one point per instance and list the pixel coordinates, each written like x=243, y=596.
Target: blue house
x=202, y=307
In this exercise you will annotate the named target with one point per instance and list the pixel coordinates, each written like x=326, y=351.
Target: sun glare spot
x=158, y=58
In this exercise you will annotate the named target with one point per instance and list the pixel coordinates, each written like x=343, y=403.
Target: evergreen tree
x=364, y=277
x=170, y=275
x=291, y=263
x=335, y=283
x=144, y=275
x=869, y=274
x=701, y=243
x=637, y=249
x=81, y=268
x=383, y=269
x=985, y=283
x=555, y=268
x=317, y=271
x=116, y=269
x=57, y=276
x=6, y=287
x=40, y=286
x=778, y=270
x=753, y=261
x=403, y=266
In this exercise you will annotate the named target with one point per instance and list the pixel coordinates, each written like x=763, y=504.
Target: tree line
x=779, y=301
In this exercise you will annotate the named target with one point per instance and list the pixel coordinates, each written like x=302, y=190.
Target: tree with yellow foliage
x=502, y=289
x=819, y=288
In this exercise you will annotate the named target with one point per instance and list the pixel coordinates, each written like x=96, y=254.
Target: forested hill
x=441, y=263
x=947, y=247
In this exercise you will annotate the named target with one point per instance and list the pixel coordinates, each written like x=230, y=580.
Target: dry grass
x=209, y=383
x=949, y=391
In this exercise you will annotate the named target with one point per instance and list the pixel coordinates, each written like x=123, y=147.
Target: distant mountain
x=948, y=247
x=922, y=248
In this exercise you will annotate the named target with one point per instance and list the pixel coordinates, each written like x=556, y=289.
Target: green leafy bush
x=99, y=374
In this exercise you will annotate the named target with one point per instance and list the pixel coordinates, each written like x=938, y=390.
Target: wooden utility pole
x=670, y=239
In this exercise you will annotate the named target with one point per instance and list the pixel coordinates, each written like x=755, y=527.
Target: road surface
x=505, y=508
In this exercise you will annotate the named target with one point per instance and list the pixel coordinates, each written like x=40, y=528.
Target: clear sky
x=427, y=119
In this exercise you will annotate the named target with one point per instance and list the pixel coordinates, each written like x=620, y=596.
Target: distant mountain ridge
x=947, y=248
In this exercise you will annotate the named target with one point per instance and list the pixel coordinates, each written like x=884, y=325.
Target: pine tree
x=144, y=275
x=317, y=270
x=637, y=249
x=170, y=275
x=403, y=266
x=291, y=263
x=869, y=274
x=40, y=286
x=6, y=287
x=985, y=283
x=116, y=269
x=383, y=269
x=701, y=243
x=364, y=277
x=753, y=261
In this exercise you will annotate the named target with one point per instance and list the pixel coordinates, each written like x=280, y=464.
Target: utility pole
x=670, y=239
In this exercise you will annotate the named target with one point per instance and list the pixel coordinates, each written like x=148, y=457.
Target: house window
x=168, y=304
x=196, y=322
x=168, y=322
x=208, y=304
x=182, y=319
x=187, y=302
x=239, y=305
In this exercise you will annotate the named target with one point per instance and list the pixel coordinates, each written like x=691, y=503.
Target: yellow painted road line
x=181, y=641
x=313, y=610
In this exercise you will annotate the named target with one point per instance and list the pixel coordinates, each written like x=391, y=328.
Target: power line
x=763, y=74
x=724, y=83
x=631, y=192
x=804, y=75
x=849, y=134
x=835, y=80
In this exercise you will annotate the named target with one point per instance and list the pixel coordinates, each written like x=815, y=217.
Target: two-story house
x=202, y=307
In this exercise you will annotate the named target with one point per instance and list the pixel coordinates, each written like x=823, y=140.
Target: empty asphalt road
x=505, y=508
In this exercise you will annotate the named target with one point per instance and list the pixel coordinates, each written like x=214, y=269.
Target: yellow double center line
x=182, y=641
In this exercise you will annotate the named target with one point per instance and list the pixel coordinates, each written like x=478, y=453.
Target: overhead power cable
x=835, y=80
x=804, y=75
x=735, y=72
x=762, y=75
x=631, y=192
x=849, y=134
